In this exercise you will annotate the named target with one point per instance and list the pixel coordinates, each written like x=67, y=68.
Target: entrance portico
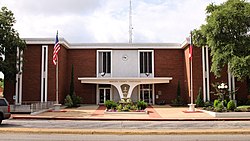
x=125, y=85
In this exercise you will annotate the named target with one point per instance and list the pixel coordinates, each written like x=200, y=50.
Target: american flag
x=191, y=48
x=56, y=50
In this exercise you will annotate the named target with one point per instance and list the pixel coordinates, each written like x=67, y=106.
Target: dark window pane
x=104, y=61
x=108, y=62
x=145, y=62
x=141, y=62
x=150, y=62
x=107, y=94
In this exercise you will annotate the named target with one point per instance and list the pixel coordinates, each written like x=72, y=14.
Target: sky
x=107, y=21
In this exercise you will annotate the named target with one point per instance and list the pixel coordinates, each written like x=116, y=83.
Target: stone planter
x=128, y=112
x=228, y=114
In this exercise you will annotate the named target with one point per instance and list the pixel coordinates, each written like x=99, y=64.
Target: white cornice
x=185, y=43
x=45, y=41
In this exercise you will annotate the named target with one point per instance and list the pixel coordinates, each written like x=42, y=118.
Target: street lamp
x=222, y=86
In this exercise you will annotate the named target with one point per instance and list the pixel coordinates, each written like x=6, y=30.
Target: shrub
x=68, y=101
x=119, y=108
x=219, y=107
x=231, y=105
x=126, y=108
x=199, y=101
x=141, y=105
x=216, y=102
x=110, y=104
x=245, y=108
x=208, y=103
x=76, y=100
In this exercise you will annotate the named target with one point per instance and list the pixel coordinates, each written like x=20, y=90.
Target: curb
x=123, y=131
x=128, y=119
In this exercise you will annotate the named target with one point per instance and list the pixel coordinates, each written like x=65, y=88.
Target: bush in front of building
x=68, y=101
x=110, y=104
x=245, y=108
x=219, y=107
x=76, y=100
x=199, y=101
x=125, y=105
x=141, y=105
x=231, y=105
x=178, y=100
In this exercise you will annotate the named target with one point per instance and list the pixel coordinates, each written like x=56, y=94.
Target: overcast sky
x=102, y=21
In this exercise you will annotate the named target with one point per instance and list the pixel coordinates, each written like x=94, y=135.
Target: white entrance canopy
x=119, y=82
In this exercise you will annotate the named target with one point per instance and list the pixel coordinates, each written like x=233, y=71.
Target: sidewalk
x=95, y=112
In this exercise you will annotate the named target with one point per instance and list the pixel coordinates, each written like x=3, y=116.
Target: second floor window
x=145, y=62
x=104, y=62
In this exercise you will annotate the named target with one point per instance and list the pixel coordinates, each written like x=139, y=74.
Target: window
x=104, y=62
x=146, y=62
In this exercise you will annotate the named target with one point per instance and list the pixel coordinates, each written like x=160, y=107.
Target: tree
x=9, y=43
x=199, y=101
x=227, y=34
x=76, y=100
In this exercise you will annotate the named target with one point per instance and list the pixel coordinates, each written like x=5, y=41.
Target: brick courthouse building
x=110, y=71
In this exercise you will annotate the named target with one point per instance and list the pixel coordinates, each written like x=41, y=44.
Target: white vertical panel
x=204, y=75
x=20, y=77
x=207, y=68
x=17, y=92
x=44, y=73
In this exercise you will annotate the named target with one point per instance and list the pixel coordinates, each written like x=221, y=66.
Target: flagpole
x=56, y=63
x=191, y=81
x=57, y=81
x=191, y=105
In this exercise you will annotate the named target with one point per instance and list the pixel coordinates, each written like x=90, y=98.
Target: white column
x=20, y=77
x=207, y=71
x=204, y=75
x=229, y=81
x=44, y=73
x=153, y=93
x=233, y=86
x=18, y=91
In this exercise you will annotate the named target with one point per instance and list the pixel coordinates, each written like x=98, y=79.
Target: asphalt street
x=83, y=124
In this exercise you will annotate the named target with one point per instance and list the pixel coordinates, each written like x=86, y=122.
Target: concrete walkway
x=95, y=112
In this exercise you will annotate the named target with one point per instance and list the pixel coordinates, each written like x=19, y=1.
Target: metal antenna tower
x=130, y=22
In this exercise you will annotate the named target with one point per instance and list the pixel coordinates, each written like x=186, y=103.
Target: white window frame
x=142, y=74
x=97, y=64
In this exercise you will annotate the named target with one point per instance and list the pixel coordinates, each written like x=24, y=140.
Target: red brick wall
x=84, y=62
x=32, y=73
x=169, y=63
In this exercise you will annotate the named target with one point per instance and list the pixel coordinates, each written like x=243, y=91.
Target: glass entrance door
x=146, y=93
x=104, y=94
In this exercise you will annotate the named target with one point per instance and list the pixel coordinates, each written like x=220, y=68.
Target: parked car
x=4, y=109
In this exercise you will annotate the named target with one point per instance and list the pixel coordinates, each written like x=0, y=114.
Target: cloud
x=108, y=20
